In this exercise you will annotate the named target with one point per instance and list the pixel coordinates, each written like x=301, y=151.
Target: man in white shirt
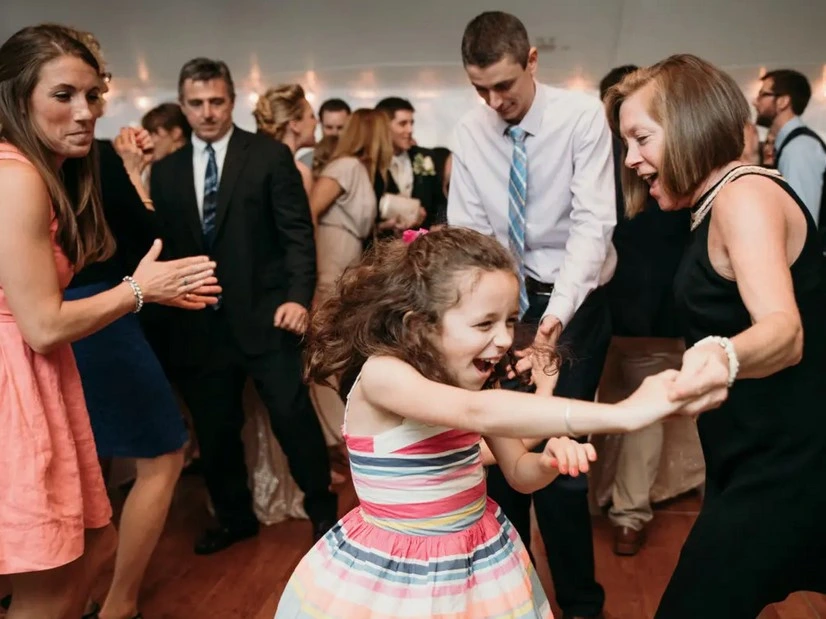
x=533, y=168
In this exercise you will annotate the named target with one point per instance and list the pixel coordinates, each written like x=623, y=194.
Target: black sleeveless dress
x=760, y=533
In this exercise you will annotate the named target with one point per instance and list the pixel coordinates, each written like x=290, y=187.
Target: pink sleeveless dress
x=426, y=541
x=51, y=487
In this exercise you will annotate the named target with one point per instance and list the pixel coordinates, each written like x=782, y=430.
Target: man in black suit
x=238, y=196
x=413, y=172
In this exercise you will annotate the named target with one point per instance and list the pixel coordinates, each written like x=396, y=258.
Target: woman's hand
x=653, y=400
x=135, y=148
x=162, y=282
x=705, y=368
x=200, y=298
x=567, y=456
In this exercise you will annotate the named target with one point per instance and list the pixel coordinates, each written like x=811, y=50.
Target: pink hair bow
x=408, y=236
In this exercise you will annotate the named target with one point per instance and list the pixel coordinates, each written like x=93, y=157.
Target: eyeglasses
x=760, y=95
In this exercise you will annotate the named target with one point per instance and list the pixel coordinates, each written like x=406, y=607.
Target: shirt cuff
x=560, y=308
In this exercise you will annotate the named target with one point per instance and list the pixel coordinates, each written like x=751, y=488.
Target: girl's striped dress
x=425, y=542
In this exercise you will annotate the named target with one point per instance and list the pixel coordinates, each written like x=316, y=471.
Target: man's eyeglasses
x=760, y=95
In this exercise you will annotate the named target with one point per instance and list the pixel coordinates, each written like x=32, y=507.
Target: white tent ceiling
x=365, y=47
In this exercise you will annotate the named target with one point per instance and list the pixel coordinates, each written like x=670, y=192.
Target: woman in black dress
x=750, y=300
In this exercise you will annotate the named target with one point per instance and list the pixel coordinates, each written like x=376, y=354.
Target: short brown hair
x=702, y=112
x=82, y=232
x=166, y=116
x=793, y=84
x=393, y=301
x=491, y=36
x=204, y=70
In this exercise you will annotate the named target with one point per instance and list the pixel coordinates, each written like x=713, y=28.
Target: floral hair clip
x=408, y=236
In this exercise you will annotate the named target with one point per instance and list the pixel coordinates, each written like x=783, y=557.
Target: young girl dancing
x=415, y=332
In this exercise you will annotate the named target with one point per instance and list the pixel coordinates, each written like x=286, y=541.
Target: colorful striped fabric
x=425, y=540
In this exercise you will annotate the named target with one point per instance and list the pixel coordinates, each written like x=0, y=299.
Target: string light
x=823, y=79
x=143, y=70
x=578, y=83
x=143, y=103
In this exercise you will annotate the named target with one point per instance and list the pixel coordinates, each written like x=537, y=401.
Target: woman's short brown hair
x=702, y=112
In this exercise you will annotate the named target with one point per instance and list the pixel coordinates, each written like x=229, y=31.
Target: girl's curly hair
x=392, y=303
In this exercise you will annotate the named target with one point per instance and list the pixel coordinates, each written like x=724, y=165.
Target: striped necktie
x=517, y=197
x=210, y=203
x=210, y=196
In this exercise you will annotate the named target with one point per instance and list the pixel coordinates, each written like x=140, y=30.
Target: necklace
x=702, y=210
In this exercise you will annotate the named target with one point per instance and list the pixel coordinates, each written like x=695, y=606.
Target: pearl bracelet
x=136, y=290
x=728, y=347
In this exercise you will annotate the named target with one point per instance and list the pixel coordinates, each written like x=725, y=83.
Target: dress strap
x=705, y=206
x=347, y=403
x=10, y=152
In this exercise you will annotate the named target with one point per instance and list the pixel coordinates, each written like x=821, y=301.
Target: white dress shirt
x=570, y=213
x=402, y=170
x=199, y=164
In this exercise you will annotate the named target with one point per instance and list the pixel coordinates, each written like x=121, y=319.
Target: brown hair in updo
x=277, y=107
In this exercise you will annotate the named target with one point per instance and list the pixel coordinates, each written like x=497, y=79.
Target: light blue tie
x=517, y=197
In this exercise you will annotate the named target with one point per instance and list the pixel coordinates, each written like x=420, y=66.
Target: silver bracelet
x=136, y=290
x=568, y=428
x=728, y=347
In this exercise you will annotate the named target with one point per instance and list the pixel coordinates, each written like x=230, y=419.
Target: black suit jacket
x=426, y=188
x=264, y=243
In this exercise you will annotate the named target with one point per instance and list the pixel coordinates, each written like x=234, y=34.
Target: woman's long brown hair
x=74, y=189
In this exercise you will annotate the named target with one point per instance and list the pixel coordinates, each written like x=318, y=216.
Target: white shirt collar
x=200, y=145
x=532, y=122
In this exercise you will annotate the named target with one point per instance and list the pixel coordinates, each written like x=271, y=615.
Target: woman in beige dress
x=343, y=201
x=344, y=207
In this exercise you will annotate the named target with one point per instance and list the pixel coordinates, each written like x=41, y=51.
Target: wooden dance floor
x=246, y=580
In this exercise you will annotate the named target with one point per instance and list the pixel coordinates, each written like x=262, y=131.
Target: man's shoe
x=627, y=541
x=215, y=540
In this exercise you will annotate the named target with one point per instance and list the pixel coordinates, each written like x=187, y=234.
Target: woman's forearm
x=770, y=345
x=74, y=320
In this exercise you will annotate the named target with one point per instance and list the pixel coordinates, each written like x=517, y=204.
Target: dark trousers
x=562, y=507
x=213, y=393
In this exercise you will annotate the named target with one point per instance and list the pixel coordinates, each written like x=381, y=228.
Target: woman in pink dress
x=55, y=530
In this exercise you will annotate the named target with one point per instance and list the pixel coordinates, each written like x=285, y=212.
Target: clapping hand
x=169, y=282
x=199, y=298
x=135, y=148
